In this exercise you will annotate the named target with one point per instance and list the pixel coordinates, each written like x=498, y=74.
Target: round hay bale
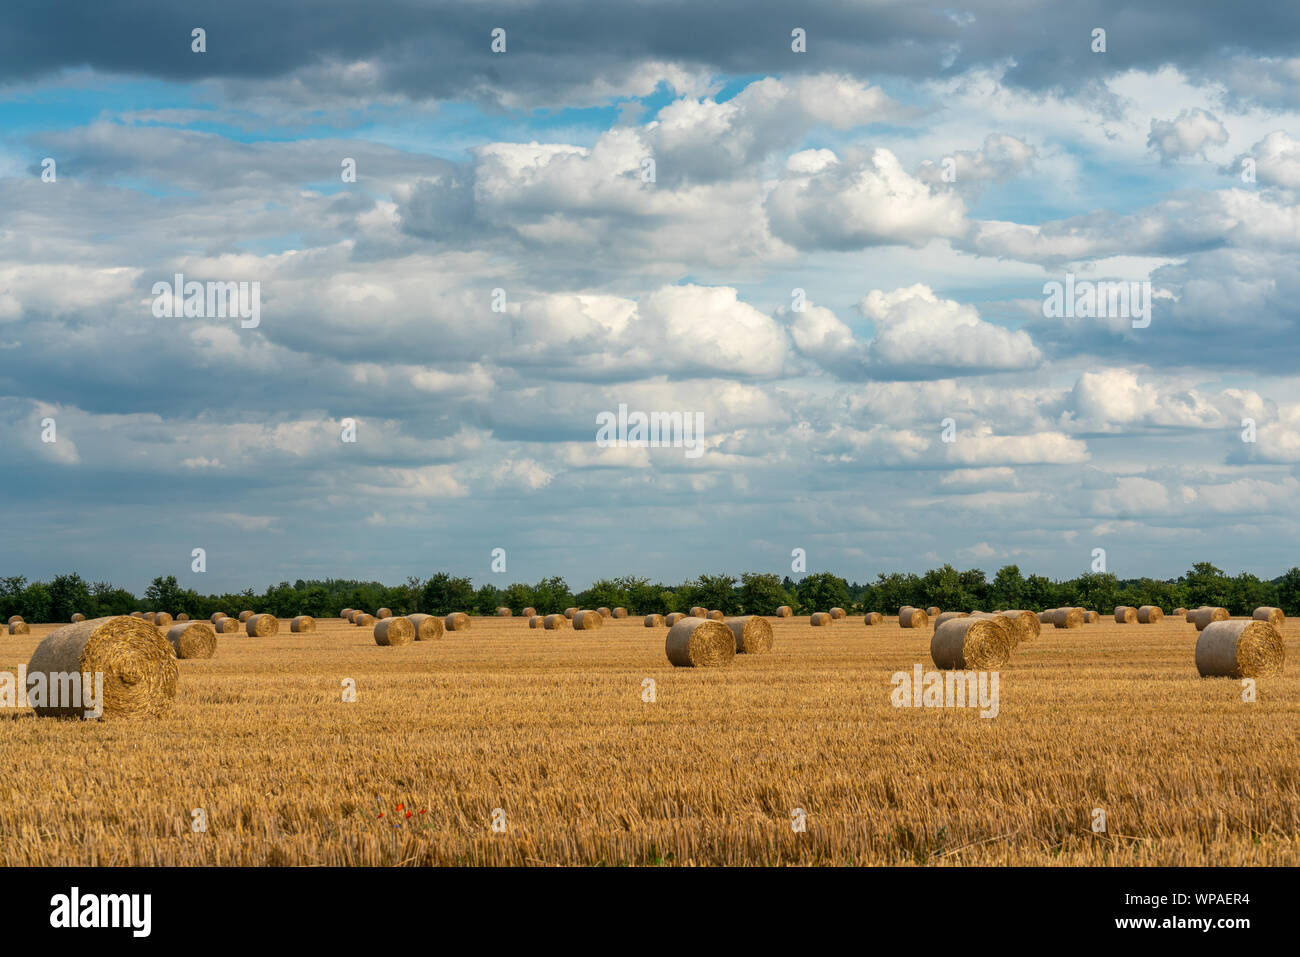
x=1274, y=616
x=1045, y=616
x=1206, y=614
x=1239, y=649
x=1150, y=615
x=456, y=621
x=673, y=618
x=603, y=612
x=620, y=612
x=697, y=611
x=19, y=627
x=384, y=613
x=225, y=626
x=363, y=620
x=570, y=612
x=1025, y=625
x=949, y=616
x=427, y=627
x=1180, y=613
x=753, y=634
x=784, y=611
x=933, y=611
x=1190, y=616
x=245, y=615
x=303, y=625
x=262, y=626
x=137, y=614
x=504, y=612
x=588, y=620
x=1067, y=618
x=138, y=664
x=182, y=617
x=394, y=631
x=1126, y=615
x=193, y=639
x=654, y=621
x=838, y=613
x=556, y=623
x=909, y=617
x=699, y=643
x=78, y=616
x=819, y=618
x=873, y=618
x=716, y=615
x=162, y=619
x=215, y=617
x=979, y=644
x=346, y=614
x=1091, y=617
x=535, y=621
x=14, y=618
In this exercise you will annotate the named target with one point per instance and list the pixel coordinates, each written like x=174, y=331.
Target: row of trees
x=752, y=593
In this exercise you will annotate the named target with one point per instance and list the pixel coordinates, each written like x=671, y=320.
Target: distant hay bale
x=1150, y=615
x=716, y=615
x=1239, y=649
x=354, y=614
x=838, y=613
x=603, y=612
x=182, y=617
x=363, y=620
x=384, y=613
x=456, y=621
x=819, y=618
x=1091, y=617
x=1025, y=625
x=14, y=618
x=504, y=612
x=346, y=614
x=1180, y=613
x=949, y=616
x=556, y=623
x=138, y=665
x=588, y=620
x=535, y=621
x=225, y=626
x=654, y=621
x=1045, y=616
x=753, y=634
x=193, y=639
x=528, y=612
x=162, y=619
x=570, y=612
x=21, y=627
x=262, y=626
x=673, y=618
x=394, y=631
x=215, y=617
x=933, y=611
x=136, y=614
x=303, y=625
x=873, y=618
x=909, y=617
x=78, y=616
x=978, y=644
x=784, y=611
x=1274, y=616
x=620, y=612
x=1067, y=618
x=427, y=627
x=1190, y=615
x=1207, y=614
x=1126, y=615
x=699, y=643
x=244, y=616
x=698, y=611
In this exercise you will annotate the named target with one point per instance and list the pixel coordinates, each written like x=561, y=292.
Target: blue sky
x=921, y=299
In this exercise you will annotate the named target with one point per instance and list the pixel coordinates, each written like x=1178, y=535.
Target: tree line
x=752, y=593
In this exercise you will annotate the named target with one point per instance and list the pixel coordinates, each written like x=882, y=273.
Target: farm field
x=551, y=729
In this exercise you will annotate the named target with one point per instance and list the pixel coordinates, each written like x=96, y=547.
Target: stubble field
x=547, y=733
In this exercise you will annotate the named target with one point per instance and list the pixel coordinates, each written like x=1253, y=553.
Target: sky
x=826, y=231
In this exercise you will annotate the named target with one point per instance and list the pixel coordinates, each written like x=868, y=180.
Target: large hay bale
x=620, y=612
x=784, y=611
x=1067, y=618
x=20, y=627
x=819, y=618
x=193, y=639
x=972, y=643
x=535, y=621
x=225, y=626
x=427, y=627
x=873, y=618
x=138, y=665
x=570, y=612
x=182, y=617
x=134, y=614
x=1150, y=615
x=837, y=613
x=699, y=643
x=456, y=621
x=556, y=623
x=1274, y=616
x=1091, y=617
x=1126, y=615
x=716, y=615
x=588, y=620
x=303, y=625
x=346, y=614
x=504, y=612
x=1025, y=625
x=654, y=621
x=1045, y=616
x=215, y=617
x=262, y=626
x=245, y=615
x=394, y=631
x=673, y=618
x=1180, y=613
x=1239, y=649
x=603, y=612
x=1206, y=614
x=1190, y=614
x=698, y=611
x=528, y=612
x=753, y=634
x=14, y=618
x=933, y=611
x=78, y=616
x=363, y=620
x=909, y=617
x=161, y=619
x=949, y=616
x=384, y=613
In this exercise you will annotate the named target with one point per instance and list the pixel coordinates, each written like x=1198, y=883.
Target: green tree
x=1206, y=585
x=69, y=594
x=551, y=596
x=164, y=594
x=761, y=594
x=717, y=592
x=444, y=594
x=821, y=591
x=1287, y=590
x=1008, y=588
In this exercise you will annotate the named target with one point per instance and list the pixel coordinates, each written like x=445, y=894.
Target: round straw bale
x=262, y=626
x=1180, y=613
x=138, y=664
x=134, y=614
x=394, y=631
x=698, y=611
x=14, y=618
x=1045, y=616
x=363, y=620
x=193, y=639
x=620, y=612
x=909, y=617
x=1206, y=614
x=1091, y=617
x=1024, y=624
x=535, y=621
x=716, y=615
x=162, y=619
x=949, y=616
x=19, y=627
x=528, y=612
x=971, y=643
x=302, y=624
x=225, y=626
x=556, y=623
x=504, y=612
x=588, y=620
x=654, y=621
x=1239, y=649
x=753, y=634
x=933, y=611
x=245, y=615
x=570, y=612
x=699, y=643
x=215, y=617
x=1274, y=616
x=456, y=621
x=1126, y=615
x=346, y=613
x=873, y=618
x=1067, y=618
x=78, y=616
x=603, y=612
x=1190, y=615
x=384, y=613
x=673, y=618
x=427, y=627
x=182, y=617
x=838, y=613
x=1150, y=615
x=819, y=618
x=784, y=611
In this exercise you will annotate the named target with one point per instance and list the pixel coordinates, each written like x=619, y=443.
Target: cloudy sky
x=838, y=250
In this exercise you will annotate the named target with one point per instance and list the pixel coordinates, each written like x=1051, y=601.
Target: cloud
x=1189, y=134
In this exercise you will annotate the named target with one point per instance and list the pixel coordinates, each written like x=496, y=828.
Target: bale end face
x=784, y=611
x=1239, y=649
x=700, y=643
x=262, y=626
x=193, y=639
x=392, y=632
x=1150, y=615
x=303, y=625
x=456, y=621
